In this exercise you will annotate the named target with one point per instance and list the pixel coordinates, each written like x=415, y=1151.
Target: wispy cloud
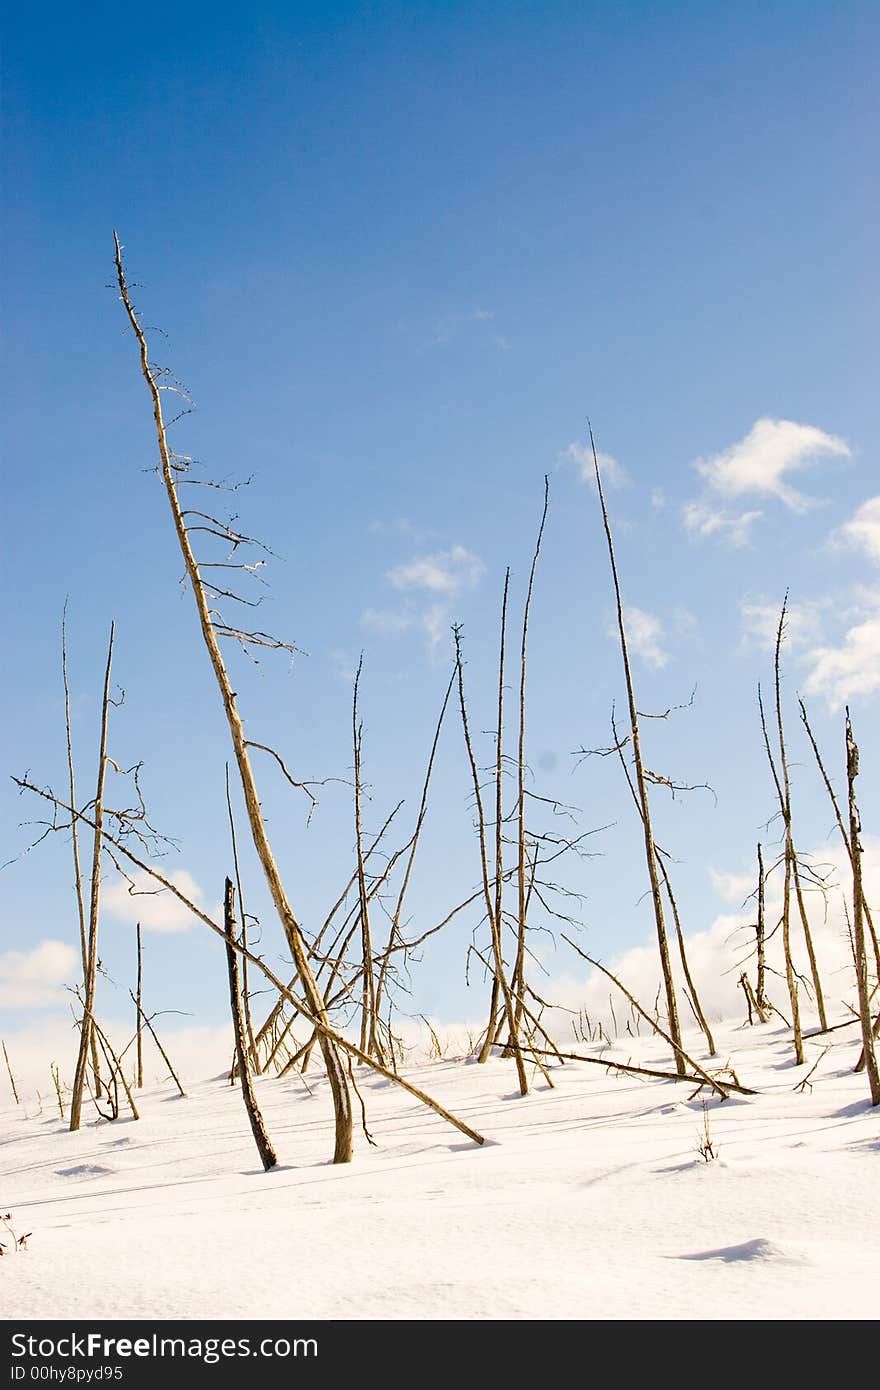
x=34, y=979
x=733, y=888
x=444, y=572
x=614, y=475
x=758, y=465
x=483, y=320
x=850, y=669
x=643, y=632
x=156, y=911
x=428, y=585
x=706, y=520
x=862, y=531
x=803, y=622
x=387, y=622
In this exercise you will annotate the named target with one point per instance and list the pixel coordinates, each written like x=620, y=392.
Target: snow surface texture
x=588, y=1201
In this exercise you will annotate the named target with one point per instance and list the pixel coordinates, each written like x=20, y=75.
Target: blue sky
x=400, y=254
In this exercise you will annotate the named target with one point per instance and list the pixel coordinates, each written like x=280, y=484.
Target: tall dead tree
x=642, y=788
x=790, y=975
x=500, y=985
x=869, y=1054
x=173, y=471
x=74, y=839
x=783, y=789
x=139, y=1010
x=396, y=917
x=844, y=833
x=760, y=940
x=258, y=1128
x=88, y=1018
x=521, y=856
x=691, y=993
x=369, y=1036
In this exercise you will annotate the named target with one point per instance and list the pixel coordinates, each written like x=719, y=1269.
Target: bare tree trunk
x=245, y=991
x=74, y=837
x=115, y=1069
x=692, y=988
x=518, y=980
x=791, y=857
x=760, y=934
x=492, y=905
x=423, y=810
x=369, y=1040
x=650, y=850
x=313, y=998
x=790, y=977
x=261, y=1138
x=841, y=827
x=11, y=1077
x=861, y=959
x=148, y=1023
x=56, y=1080
x=139, y=1011
x=85, y=1039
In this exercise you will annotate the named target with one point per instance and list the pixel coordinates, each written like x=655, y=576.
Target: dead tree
x=148, y=1024
x=369, y=1038
x=785, y=920
x=9, y=1072
x=518, y=978
x=139, y=1010
x=205, y=594
x=245, y=989
x=394, y=933
x=492, y=891
x=692, y=994
x=285, y=992
x=760, y=945
x=85, y=1040
x=261, y=1138
x=642, y=788
x=74, y=839
x=785, y=806
x=861, y=959
x=844, y=834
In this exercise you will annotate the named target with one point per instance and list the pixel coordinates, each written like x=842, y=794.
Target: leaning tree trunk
x=74, y=840
x=650, y=848
x=261, y=1138
x=521, y=894
x=86, y=1035
x=869, y=1054
x=313, y=997
x=792, y=875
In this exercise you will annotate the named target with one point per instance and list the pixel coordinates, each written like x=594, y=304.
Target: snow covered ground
x=587, y=1201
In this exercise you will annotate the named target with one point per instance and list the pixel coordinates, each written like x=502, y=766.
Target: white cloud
x=444, y=572
x=437, y=627
x=862, y=531
x=643, y=631
x=156, y=911
x=734, y=888
x=614, y=475
x=386, y=622
x=758, y=464
x=34, y=979
x=803, y=622
x=851, y=669
x=706, y=520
